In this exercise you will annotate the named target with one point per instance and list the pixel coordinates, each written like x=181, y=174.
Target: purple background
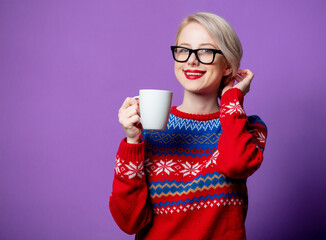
x=66, y=67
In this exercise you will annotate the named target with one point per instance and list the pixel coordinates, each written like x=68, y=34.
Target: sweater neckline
x=198, y=117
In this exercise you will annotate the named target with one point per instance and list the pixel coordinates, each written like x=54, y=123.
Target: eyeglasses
x=203, y=55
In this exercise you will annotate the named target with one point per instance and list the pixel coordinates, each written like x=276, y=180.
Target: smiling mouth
x=194, y=74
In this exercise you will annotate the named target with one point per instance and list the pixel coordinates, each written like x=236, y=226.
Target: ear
x=227, y=71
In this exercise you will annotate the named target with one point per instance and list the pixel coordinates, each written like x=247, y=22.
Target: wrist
x=231, y=95
x=132, y=140
x=131, y=152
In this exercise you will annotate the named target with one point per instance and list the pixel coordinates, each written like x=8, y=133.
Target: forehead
x=195, y=34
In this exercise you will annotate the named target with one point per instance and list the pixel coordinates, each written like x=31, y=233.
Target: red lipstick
x=194, y=74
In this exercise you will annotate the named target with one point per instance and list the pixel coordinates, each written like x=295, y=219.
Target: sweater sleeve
x=129, y=203
x=243, y=139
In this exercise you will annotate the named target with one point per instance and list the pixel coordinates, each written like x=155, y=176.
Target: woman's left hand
x=243, y=79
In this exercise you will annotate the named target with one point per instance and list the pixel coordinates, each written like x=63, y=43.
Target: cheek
x=218, y=70
x=177, y=69
x=215, y=76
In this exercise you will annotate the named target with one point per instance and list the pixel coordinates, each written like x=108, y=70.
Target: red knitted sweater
x=189, y=181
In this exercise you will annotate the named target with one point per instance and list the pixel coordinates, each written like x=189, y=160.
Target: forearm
x=241, y=143
x=129, y=199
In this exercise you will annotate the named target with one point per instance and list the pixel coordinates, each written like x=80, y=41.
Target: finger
x=134, y=119
x=245, y=73
x=126, y=114
x=137, y=106
x=128, y=102
x=238, y=78
x=131, y=111
x=129, y=122
x=247, y=77
x=242, y=75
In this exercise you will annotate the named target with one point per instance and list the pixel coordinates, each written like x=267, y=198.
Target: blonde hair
x=223, y=34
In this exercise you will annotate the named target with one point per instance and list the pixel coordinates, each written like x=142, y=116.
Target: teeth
x=195, y=74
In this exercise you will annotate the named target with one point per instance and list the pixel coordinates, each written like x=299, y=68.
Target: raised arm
x=243, y=139
x=129, y=203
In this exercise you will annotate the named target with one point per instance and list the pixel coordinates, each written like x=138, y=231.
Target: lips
x=194, y=74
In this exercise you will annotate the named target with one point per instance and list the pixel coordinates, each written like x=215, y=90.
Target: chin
x=202, y=91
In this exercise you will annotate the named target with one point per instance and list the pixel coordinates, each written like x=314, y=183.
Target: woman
x=189, y=181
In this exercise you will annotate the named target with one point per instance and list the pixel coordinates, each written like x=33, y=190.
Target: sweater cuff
x=232, y=95
x=131, y=152
x=232, y=104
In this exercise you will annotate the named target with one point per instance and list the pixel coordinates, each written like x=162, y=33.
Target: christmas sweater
x=189, y=181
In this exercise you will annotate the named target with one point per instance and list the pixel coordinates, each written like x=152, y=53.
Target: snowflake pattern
x=261, y=137
x=190, y=169
x=213, y=159
x=148, y=165
x=233, y=108
x=164, y=167
x=118, y=164
x=135, y=170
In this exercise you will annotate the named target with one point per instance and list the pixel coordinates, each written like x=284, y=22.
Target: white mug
x=155, y=107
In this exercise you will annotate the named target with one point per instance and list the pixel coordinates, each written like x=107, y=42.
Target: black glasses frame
x=195, y=51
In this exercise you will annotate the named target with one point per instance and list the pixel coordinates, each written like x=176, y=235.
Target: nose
x=193, y=61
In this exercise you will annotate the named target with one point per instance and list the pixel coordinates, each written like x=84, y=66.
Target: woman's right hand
x=130, y=120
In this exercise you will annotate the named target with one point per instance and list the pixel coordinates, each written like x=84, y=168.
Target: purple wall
x=66, y=67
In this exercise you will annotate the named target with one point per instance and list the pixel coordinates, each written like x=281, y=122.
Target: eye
x=206, y=51
x=183, y=50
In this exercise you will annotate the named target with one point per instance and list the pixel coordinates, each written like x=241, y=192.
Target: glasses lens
x=181, y=54
x=205, y=55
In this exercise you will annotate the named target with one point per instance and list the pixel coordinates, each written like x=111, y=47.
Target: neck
x=199, y=104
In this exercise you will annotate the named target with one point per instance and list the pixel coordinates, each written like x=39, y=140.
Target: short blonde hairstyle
x=223, y=34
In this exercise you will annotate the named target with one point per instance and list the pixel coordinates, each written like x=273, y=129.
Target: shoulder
x=255, y=119
x=255, y=122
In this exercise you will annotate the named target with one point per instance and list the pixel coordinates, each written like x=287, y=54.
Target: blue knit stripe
x=193, y=125
x=203, y=182
x=185, y=137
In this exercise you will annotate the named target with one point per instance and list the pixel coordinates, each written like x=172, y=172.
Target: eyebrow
x=202, y=44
